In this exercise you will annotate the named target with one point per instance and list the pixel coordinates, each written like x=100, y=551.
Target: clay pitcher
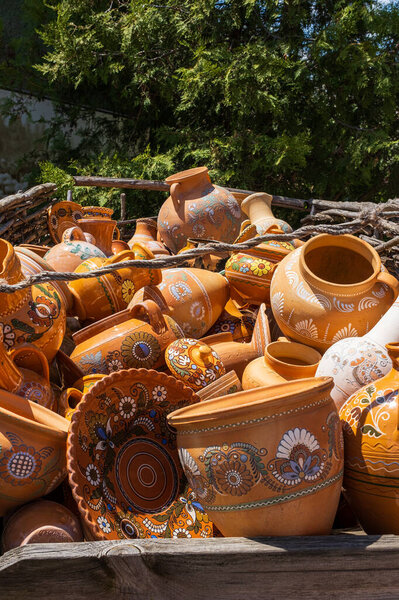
x=76, y=246
x=258, y=208
x=102, y=229
x=197, y=208
x=146, y=234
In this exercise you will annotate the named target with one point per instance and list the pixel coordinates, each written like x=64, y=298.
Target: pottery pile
x=237, y=395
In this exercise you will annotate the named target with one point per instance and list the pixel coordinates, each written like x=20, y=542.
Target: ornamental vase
x=32, y=451
x=355, y=362
x=34, y=315
x=102, y=229
x=146, y=235
x=197, y=208
x=267, y=461
x=104, y=295
x=194, y=298
x=73, y=250
x=258, y=208
x=331, y=288
x=194, y=363
x=371, y=434
x=124, y=341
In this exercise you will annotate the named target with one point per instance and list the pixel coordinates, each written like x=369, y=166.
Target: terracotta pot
x=72, y=251
x=330, y=289
x=197, y=208
x=355, y=362
x=102, y=229
x=41, y=522
x=33, y=315
x=38, y=250
x=33, y=451
x=258, y=208
x=119, y=246
x=227, y=384
x=146, y=234
x=371, y=433
x=71, y=397
x=193, y=297
x=239, y=324
x=283, y=361
x=234, y=355
x=265, y=462
x=250, y=272
x=194, y=363
x=110, y=293
x=124, y=341
x=62, y=216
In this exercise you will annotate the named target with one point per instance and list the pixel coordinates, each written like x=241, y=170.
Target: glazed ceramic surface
x=265, y=462
x=97, y=211
x=226, y=384
x=124, y=341
x=356, y=362
x=71, y=396
x=73, y=250
x=330, y=289
x=193, y=297
x=371, y=424
x=197, y=208
x=146, y=234
x=123, y=463
x=32, y=454
x=62, y=216
x=258, y=208
x=194, y=363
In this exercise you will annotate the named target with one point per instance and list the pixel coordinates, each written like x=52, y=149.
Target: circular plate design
x=62, y=216
x=123, y=463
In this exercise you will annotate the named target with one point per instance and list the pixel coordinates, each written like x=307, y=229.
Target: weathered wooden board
x=342, y=566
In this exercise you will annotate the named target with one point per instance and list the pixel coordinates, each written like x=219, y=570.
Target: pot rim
x=183, y=175
x=244, y=403
x=38, y=412
x=290, y=345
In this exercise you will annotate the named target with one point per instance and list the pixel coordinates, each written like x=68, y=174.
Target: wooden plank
x=346, y=565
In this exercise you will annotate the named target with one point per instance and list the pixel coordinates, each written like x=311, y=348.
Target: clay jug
x=371, y=434
x=71, y=397
x=124, y=341
x=102, y=229
x=73, y=250
x=104, y=295
x=33, y=315
x=234, y=355
x=267, y=461
x=41, y=522
x=194, y=298
x=282, y=361
x=146, y=234
x=355, y=362
x=258, y=208
x=330, y=289
x=197, y=208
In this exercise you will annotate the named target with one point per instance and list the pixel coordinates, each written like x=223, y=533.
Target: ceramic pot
x=104, y=295
x=33, y=315
x=197, y=208
x=267, y=461
x=124, y=341
x=239, y=324
x=250, y=272
x=330, y=289
x=33, y=451
x=37, y=250
x=355, y=362
x=102, y=229
x=62, y=216
x=72, y=251
x=193, y=297
x=234, y=355
x=371, y=424
x=283, y=361
x=119, y=246
x=194, y=363
x=71, y=397
x=258, y=208
x=226, y=384
x=146, y=234
x=39, y=523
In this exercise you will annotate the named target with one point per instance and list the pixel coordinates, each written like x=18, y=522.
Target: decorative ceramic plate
x=62, y=216
x=123, y=463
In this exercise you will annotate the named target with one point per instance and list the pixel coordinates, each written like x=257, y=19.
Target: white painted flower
x=345, y=332
x=210, y=374
x=104, y=525
x=127, y=407
x=114, y=365
x=183, y=360
x=234, y=207
x=307, y=328
x=159, y=393
x=197, y=310
x=180, y=532
x=323, y=301
x=366, y=303
x=92, y=474
x=188, y=463
x=343, y=306
x=295, y=437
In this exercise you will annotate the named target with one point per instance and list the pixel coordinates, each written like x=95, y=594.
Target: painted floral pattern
x=185, y=362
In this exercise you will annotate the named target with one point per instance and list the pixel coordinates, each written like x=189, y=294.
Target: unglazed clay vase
x=197, y=208
x=234, y=355
x=33, y=451
x=194, y=298
x=330, y=289
x=267, y=461
x=356, y=362
x=104, y=295
x=227, y=384
x=33, y=315
x=146, y=234
x=72, y=251
x=250, y=272
x=102, y=229
x=283, y=361
x=258, y=208
x=62, y=216
x=371, y=433
x=41, y=522
x=71, y=397
x=124, y=340
x=194, y=363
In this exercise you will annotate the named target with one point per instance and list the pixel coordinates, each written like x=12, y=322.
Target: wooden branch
x=39, y=190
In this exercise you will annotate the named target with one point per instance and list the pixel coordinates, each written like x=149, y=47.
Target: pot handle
x=40, y=355
x=66, y=408
x=174, y=193
x=73, y=234
x=390, y=281
x=152, y=311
